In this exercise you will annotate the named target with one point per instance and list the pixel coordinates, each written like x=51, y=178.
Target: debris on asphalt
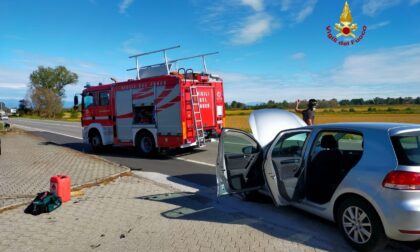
x=95, y=246
x=78, y=193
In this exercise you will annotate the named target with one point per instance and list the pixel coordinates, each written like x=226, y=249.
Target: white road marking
x=43, y=130
x=49, y=123
x=195, y=161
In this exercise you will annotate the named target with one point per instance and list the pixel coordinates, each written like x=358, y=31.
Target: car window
x=290, y=145
x=350, y=142
x=349, y=145
x=407, y=149
x=346, y=141
x=239, y=143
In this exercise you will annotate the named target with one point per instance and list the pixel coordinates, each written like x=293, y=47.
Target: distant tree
x=390, y=101
x=359, y=101
x=54, y=79
x=333, y=103
x=24, y=106
x=233, y=104
x=240, y=105
x=400, y=100
x=344, y=102
x=47, y=89
x=46, y=102
x=408, y=100
x=285, y=104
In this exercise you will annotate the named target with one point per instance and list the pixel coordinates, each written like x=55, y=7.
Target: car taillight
x=402, y=180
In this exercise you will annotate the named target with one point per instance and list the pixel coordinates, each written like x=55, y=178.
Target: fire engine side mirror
x=76, y=102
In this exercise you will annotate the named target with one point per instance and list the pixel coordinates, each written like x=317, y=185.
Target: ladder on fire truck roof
x=150, y=70
x=198, y=120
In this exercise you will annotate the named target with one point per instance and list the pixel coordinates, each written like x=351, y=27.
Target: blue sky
x=269, y=49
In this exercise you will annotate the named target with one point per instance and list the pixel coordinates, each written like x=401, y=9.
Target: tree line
x=333, y=103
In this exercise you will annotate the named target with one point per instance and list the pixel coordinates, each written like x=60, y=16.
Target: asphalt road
x=196, y=166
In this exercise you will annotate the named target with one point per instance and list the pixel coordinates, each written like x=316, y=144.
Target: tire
x=145, y=144
x=95, y=141
x=361, y=225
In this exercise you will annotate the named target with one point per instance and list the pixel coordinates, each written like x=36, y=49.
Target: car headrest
x=328, y=141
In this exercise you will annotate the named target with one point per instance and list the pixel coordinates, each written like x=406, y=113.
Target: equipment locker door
x=124, y=112
x=207, y=106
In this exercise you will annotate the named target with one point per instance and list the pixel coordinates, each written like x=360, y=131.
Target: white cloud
x=257, y=5
x=253, y=29
x=298, y=56
x=285, y=4
x=306, y=11
x=124, y=5
x=413, y=2
x=372, y=7
x=130, y=45
x=378, y=25
x=9, y=85
x=391, y=66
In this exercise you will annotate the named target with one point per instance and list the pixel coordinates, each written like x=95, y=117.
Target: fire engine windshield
x=87, y=100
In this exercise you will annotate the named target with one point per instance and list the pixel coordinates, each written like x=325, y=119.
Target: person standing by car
x=308, y=114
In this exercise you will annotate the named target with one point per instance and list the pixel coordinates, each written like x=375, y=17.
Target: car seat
x=323, y=174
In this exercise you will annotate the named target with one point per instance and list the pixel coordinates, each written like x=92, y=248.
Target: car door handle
x=290, y=161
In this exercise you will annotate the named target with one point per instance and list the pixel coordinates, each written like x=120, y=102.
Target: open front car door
x=239, y=163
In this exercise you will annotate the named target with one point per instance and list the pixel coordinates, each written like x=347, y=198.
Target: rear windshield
x=407, y=148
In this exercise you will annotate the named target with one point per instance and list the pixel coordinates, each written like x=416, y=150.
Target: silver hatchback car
x=363, y=176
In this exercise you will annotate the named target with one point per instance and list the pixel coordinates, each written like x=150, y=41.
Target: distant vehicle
x=160, y=109
x=13, y=112
x=363, y=176
x=5, y=121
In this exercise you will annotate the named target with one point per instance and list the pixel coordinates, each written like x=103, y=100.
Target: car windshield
x=407, y=148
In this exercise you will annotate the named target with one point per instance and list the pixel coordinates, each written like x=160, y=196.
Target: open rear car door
x=239, y=163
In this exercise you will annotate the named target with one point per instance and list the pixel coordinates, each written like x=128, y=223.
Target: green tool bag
x=44, y=202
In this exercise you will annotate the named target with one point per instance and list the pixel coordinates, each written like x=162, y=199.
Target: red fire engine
x=159, y=109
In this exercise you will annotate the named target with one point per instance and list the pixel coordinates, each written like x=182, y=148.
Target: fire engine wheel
x=145, y=144
x=96, y=142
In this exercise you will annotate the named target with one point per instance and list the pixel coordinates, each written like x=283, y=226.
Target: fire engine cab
x=161, y=108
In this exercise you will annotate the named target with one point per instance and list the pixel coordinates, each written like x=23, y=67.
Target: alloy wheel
x=357, y=224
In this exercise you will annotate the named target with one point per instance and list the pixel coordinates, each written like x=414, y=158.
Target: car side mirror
x=76, y=100
x=249, y=150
